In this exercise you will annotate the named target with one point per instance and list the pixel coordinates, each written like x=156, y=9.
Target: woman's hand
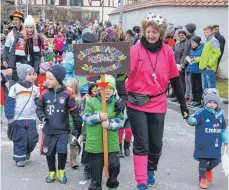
x=184, y=111
x=185, y=115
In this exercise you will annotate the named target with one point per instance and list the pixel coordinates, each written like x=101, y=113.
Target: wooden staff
x=105, y=143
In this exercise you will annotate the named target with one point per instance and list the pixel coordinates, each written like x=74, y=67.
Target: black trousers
x=182, y=80
x=196, y=86
x=57, y=52
x=206, y=165
x=148, y=129
x=97, y=163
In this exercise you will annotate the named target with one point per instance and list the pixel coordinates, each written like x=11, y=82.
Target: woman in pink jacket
x=152, y=67
x=58, y=42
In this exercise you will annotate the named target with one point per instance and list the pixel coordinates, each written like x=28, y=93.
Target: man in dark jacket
x=221, y=40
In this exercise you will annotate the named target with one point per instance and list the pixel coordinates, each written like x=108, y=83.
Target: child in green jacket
x=95, y=121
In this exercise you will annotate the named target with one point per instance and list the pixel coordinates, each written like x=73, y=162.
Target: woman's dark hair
x=136, y=29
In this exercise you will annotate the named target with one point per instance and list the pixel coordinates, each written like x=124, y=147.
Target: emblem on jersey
x=48, y=102
x=61, y=100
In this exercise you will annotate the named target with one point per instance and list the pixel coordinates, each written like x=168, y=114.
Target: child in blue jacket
x=193, y=68
x=210, y=133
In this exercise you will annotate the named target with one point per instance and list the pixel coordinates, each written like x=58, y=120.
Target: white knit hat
x=29, y=21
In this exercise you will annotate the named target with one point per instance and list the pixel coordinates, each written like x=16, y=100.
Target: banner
x=102, y=58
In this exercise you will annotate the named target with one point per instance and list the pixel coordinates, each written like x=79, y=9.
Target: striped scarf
x=21, y=45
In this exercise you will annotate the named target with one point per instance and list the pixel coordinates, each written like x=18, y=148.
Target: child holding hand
x=210, y=133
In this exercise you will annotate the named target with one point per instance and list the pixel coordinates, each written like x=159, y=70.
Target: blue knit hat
x=58, y=72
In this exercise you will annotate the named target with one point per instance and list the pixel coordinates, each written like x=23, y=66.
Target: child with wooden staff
x=95, y=121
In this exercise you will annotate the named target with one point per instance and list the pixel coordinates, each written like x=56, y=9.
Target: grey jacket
x=178, y=51
x=187, y=49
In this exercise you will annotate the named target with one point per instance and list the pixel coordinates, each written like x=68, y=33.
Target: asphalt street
x=177, y=168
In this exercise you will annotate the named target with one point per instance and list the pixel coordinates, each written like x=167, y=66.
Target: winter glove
x=120, y=105
x=184, y=108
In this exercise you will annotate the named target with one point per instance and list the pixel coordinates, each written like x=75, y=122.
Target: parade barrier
x=101, y=59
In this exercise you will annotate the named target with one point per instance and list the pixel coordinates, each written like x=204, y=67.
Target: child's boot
x=142, y=187
x=126, y=148
x=51, y=177
x=20, y=163
x=209, y=176
x=61, y=176
x=73, y=154
x=87, y=172
x=203, y=183
x=151, y=179
x=120, y=154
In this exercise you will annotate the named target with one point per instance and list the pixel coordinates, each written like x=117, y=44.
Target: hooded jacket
x=210, y=55
x=94, y=130
x=194, y=67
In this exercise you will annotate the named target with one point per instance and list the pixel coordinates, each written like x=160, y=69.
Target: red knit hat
x=17, y=14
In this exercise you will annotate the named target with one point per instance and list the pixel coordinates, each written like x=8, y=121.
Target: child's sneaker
x=142, y=187
x=209, y=176
x=151, y=179
x=203, y=183
x=20, y=163
x=51, y=177
x=61, y=176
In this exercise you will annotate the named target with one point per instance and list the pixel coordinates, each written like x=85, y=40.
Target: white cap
x=29, y=21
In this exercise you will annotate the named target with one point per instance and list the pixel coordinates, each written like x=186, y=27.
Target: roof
x=141, y=4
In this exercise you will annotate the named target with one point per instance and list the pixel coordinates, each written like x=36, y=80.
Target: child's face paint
x=109, y=91
x=51, y=81
x=211, y=104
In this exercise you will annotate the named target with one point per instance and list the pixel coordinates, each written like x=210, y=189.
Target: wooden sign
x=102, y=58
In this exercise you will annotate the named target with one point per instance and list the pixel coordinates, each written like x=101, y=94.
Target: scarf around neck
x=151, y=47
x=21, y=44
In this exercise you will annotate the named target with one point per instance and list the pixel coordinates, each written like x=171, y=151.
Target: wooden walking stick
x=102, y=86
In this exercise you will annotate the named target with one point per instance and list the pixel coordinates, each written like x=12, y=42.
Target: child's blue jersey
x=210, y=132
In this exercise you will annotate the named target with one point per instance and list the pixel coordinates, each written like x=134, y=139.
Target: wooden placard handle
x=105, y=140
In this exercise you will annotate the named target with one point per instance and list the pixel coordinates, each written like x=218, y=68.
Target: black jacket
x=55, y=107
x=222, y=43
x=35, y=57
